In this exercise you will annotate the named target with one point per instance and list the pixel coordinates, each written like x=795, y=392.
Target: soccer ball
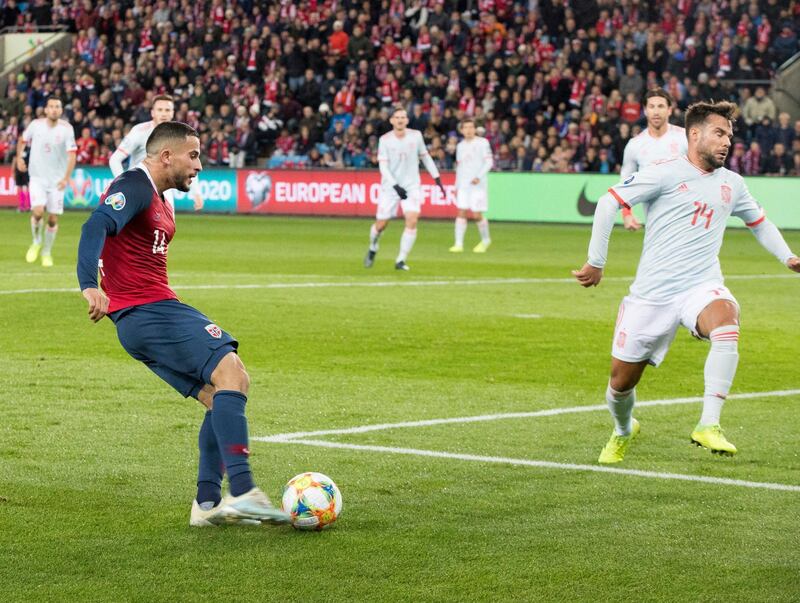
x=312, y=500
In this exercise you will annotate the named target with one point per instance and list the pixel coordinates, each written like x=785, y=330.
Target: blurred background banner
x=513, y=197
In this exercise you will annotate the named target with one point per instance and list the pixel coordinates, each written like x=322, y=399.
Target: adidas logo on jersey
x=682, y=188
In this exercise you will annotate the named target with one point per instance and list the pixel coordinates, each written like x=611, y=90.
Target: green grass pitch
x=98, y=456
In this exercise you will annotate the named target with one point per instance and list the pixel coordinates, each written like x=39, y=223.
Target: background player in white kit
x=659, y=141
x=679, y=281
x=52, y=159
x=474, y=160
x=399, y=153
x=133, y=145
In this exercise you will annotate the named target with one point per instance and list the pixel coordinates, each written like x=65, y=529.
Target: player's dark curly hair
x=168, y=131
x=697, y=113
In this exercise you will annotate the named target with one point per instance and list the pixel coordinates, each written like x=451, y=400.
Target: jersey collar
x=149, y=177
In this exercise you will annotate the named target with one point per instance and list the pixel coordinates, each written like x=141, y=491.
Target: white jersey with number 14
x=687, y=210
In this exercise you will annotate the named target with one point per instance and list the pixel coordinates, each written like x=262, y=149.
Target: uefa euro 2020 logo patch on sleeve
x=116, y=201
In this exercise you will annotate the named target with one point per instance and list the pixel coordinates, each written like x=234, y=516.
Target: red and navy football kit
x=128, y=236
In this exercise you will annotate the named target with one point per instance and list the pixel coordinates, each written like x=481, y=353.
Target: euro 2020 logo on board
x=258, y=185
x=80, y=192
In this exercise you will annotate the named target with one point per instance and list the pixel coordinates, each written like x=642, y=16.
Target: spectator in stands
x=519, y=71
x=11, y=14
x=778, y=163
x=758, y=107
x=785, y=133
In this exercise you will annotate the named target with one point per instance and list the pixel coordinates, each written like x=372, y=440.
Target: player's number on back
x=702, y=211
x=160, y=242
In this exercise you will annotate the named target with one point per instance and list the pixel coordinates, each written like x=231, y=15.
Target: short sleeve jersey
x=687, y=210
x=49, y=148
x=402, y=156
x=133, y=145
x=474, y=161
x=133, y=264
x=644, y=150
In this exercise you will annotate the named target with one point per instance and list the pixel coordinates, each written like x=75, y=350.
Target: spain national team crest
x=214, y=331
x=116, y=201
x=725, y=193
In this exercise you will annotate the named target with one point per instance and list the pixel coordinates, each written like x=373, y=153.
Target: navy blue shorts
x=177, y=342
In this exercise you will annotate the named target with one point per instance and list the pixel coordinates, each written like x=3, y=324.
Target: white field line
x=287, y=437
x=301, y=438
x=526, y=315
x=397, y=283
x=551, y=465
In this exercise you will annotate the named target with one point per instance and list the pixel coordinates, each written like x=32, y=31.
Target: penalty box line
x=302, y=438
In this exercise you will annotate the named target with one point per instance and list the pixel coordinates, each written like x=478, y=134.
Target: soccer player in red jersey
x=127, y=236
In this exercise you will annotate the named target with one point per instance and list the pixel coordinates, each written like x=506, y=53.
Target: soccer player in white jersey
x=659, y=141
x=133, y=145
x=679, y=281
x=474, y=160
x=50, y=165
x=399, y=154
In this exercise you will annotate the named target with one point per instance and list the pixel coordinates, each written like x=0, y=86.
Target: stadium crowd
x=555, y=84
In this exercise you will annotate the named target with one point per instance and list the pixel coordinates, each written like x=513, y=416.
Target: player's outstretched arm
x=115, y=162
x=772, y=240
x=604, y=215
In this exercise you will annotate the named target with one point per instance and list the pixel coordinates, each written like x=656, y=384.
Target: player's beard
x=712, y=159
x=182, y=184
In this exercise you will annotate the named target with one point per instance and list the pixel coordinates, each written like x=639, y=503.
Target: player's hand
x=198, y=203
x=21, y=165
x=438, y=182
x=401, y=192
x=588, y=276
x=62, y=184
x=98, y=303
x=793, y=263
x=630, y=222
x=476, y=181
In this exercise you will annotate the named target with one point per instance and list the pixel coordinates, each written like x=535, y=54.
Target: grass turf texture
x=98, y=457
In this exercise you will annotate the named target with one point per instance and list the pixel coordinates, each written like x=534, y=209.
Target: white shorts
x=44, y=193
x=645, y=329
x=472, y=198
x=389, y=200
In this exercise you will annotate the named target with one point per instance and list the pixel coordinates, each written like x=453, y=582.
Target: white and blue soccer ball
x=312, y=500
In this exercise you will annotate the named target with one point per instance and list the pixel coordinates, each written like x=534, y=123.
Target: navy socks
x=230, y=426
x=209, y=474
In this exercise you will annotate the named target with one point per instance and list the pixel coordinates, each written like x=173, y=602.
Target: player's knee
x=231, y=374
x=52, y=220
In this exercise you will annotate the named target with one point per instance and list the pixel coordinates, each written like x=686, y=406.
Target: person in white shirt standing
x=679, y=281
x=399, y=154
x=50, y=165
x=473, y=162
x=659, y=141
x=133, y=145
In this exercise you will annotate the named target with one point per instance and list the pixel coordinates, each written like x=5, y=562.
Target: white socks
x=406, y=243
x=461, y=229
x=483, y=228
x=49, y=237
x=723, y=357
x=621, y=406
x=374, y=235
x=36, y=229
